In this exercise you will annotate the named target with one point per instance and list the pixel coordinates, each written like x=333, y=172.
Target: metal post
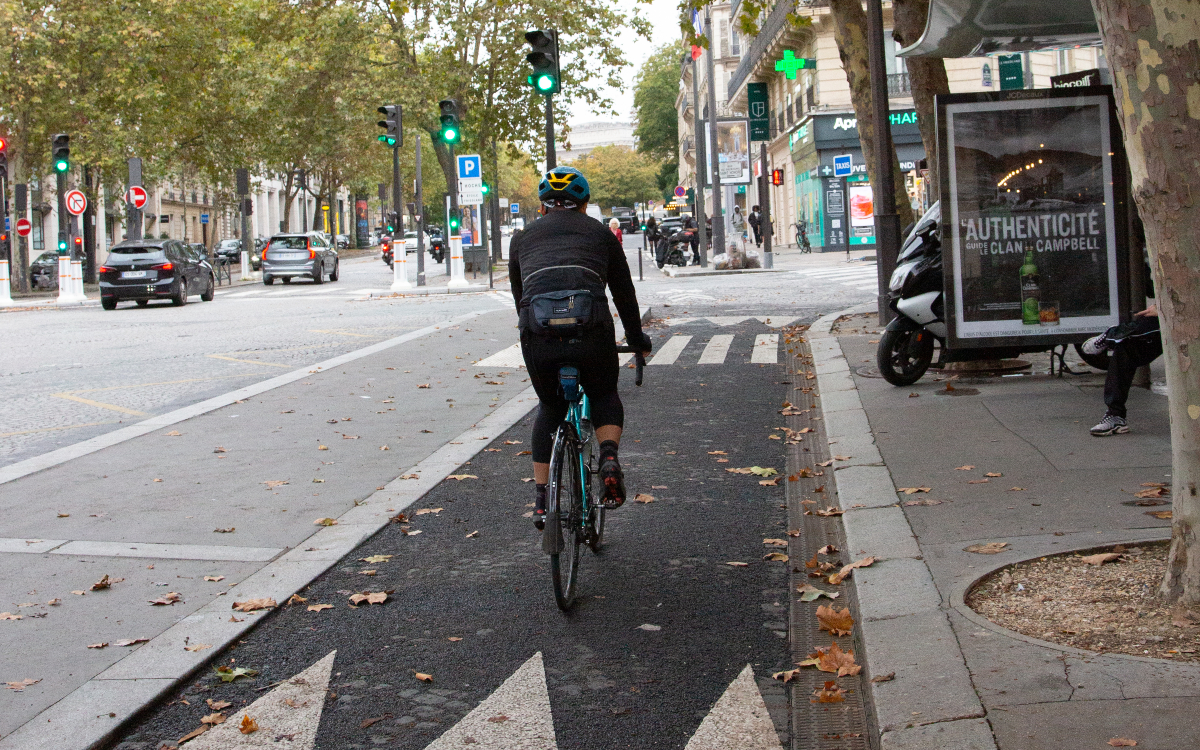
x=383, y=200
x=60, y=179
x=303, y=200
x=89, y=232
x=397, y=195
x=641, y=276
x=551, y=159
x=763, y=181
x=21, y=267
x=887, y=221
x=701, y=163
x=10, y=231
x=420, y=197
x=491, y=220
x=718, y=199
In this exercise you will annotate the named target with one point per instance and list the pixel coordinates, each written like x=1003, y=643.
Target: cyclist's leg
x=542, y=361
x=598, y=372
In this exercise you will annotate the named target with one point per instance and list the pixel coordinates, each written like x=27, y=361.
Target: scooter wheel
x=904, y=353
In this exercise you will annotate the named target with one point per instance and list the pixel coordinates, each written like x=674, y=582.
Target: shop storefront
x=836, y=208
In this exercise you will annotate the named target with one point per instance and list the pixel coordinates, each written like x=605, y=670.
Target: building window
x=39, y=240
x=723, y=33
x=735, y=42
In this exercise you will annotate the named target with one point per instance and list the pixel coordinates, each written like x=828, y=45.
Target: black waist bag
x=561, y=314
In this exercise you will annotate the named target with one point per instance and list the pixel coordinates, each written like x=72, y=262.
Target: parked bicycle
x=802, y=242
x=574, y=510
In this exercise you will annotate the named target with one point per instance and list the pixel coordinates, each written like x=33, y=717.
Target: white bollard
x=64, y=280
x=5, y=294
x=400, y=282
x=246, y=276
x=77, y=280
x=458, y=269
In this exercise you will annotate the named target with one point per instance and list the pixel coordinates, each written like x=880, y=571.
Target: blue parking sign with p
x=842, y=166
x=469, y=167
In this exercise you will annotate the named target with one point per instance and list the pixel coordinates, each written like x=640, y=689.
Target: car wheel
x=336, y=268
x=108, y=303
x=180, y=298
x=318, y=272
x=287, y=279
x=207, y=295
x=268, y=280
x=141, y=302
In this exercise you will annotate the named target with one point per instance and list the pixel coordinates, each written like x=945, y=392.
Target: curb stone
x=931, y=703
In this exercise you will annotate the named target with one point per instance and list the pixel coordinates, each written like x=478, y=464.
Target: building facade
x=812, y=117
x=589, y=135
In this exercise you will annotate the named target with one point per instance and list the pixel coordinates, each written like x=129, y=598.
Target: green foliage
x=619, y=176
x=655, y=91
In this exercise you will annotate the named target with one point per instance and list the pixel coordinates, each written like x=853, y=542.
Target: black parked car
x=628, y=218
x=44, y=271
x=143, y=270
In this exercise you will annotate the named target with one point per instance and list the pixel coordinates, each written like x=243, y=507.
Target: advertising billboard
x=1034, y=202
x=733, y=150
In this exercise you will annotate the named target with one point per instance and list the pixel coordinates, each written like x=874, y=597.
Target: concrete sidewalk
x=962, y=681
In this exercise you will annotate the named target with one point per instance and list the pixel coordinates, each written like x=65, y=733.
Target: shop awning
x=964, y=28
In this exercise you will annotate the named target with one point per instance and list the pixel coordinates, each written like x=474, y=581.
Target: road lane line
x=100, y=405
x=525, y=699
x=116, y=437
x=716, y=350
x=343, y=333
x=738, y=719
x=671, y=350
x=766, y=349
x=52, y=429
x=247, y=361
x=224, y=553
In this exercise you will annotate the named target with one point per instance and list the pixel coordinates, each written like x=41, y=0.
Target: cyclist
x=567, y=251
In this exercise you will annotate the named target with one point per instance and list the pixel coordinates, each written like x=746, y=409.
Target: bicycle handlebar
x=638, y=358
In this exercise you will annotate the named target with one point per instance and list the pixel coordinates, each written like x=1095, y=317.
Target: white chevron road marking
x=738, y=721
x=515, y=717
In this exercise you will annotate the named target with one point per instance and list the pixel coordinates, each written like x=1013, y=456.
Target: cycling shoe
x=613, y=480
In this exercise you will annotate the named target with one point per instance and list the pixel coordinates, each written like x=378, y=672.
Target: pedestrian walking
x=614, y=226
x=651, y=230
x=755, y=220
x=738, y=220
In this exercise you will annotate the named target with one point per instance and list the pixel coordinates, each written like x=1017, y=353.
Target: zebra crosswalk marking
x=766, y=349
x=715, y=351
x=671, y=350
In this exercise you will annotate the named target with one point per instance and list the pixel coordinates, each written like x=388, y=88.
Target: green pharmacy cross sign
x=790, y=64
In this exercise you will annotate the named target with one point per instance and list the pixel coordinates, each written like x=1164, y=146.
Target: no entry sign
x=24, y=227
x=76, y=203
x=137, y=196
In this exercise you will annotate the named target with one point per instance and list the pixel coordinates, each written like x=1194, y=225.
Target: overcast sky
x=664, y=17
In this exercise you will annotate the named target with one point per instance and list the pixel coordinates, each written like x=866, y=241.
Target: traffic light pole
x=397, y=198
x=551, y=161
x=420, y=198
x=133, y=215
x=701, y=161
x=718, y=225
x=60, y=179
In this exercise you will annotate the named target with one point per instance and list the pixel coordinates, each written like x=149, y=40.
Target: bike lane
x=664, y=628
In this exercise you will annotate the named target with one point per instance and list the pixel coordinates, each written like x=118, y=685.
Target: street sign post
x=24, y=227
x=842, y=165
x=470, y=180
x=760, y=115
x=203, y=218
x=515, y=208
x=680, y=191
x=76, y=203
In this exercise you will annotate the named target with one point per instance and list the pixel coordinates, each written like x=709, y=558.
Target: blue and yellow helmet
x=565, y=183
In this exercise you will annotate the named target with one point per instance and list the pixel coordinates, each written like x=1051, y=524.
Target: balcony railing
x=756, y=48
x=899, y=84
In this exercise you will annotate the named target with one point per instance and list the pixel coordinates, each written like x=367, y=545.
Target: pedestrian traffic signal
x=544, y=59
x=3, y=164
x=392, y=222
x=62, y=243
x=453, y=222
x=777, y=177
x=79, y=245
x=61, y=152
x=391, y=125
x=451, y=132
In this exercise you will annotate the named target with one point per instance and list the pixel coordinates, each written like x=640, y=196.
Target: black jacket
x=566, y=250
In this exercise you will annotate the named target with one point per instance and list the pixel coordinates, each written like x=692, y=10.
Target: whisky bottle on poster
x=1030, y=291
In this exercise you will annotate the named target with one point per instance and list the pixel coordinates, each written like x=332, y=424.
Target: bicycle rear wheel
x=561, y=538
x=590, y=456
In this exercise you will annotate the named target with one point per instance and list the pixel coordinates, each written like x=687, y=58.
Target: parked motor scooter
x=674, y=249
x=385, y=250
x=915, y=293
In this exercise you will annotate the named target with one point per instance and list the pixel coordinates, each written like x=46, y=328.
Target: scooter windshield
x=915, y=242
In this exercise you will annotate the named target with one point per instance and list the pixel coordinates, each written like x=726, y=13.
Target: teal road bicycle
x=574, y=510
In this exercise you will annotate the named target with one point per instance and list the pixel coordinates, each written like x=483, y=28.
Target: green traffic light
x=485, y=189
x=387, y=140
x=62, y=246
x=61, y=165
x=450, y=135
x=545, y=82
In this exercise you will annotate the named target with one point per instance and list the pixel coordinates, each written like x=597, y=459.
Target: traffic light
x=777, y=177
x=4, y=158
x=62, y=243
x=392, y=222
x=61, y=152
x=78, y=247
x=391, y=125
x=544, y=59
x=453, y=222
x=484, y=188
x=451, y=131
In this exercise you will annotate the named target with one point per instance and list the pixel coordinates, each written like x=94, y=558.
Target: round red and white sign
x=24, y=227
x=76, y=203
x=137, y=196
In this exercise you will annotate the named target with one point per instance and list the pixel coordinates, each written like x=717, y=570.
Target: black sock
x=608, y=449
x=539, y=497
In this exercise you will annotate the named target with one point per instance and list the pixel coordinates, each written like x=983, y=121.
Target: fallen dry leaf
x=846, y=570
x=214, y=579
x=322, y=447
x=423, y=677
x=230, y=530
x=990, y=548
x=770, y=482
x=461, y=477
x=978, y=481
x=809, y=593
x=105, y=582
x=965, y=467
x=130, y=641
x=1016, y=489
x=1122, y=742
x=423, y=385
x=1153, y=492
x=54, y=602
x=787, y=675
x=884, y=677
x=273, y=483
x=830, y=694
x=914, y=490
x=19, y=686
x=376, y=559
x=319, y=607
x=250, y=605
x=473, y=534
x=10, y=616
x=643, y=498
x=197, y=647
x=423, y=511
x=828, y=549
x=922, y=502
x=230, y=674
x=717, y=453
x=174, y=433
x=833, y=659
x=776, y=542
x=325, y=522
x=775, y=557
x=213, y=719
x=993, y=474
x=97, y=645
x=837, y=622
x=248, y=725
x=64, y=515
x=1101, y=558
x=217, y=705
x=172, y=597
x=1163, y=514
x=830, y=511
x=370, y=597
x=738, y=564
x=193, y=734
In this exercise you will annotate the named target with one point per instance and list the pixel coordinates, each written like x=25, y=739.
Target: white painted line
x=738, y=720
x=297, y=719
x=670, y=350
x=839, y=273
x=717, y=349
x=230, y=295
x=62, y=455
x=167, y=551
x=524, y=699
x=509, y=357
x=766, y=349
x=776, y=322
x=30, y=546
x=867, y=287
x=727, y=320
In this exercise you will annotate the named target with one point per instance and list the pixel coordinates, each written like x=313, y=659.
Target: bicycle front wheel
x=561, y=538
